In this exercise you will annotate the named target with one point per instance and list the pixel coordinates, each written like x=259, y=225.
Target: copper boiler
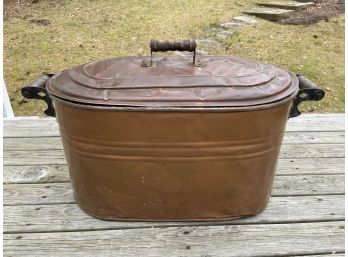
x=172, y=138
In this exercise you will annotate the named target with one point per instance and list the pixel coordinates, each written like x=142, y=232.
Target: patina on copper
x=173, y=141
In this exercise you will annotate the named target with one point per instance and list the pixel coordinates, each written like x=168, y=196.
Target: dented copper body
x=173, y=140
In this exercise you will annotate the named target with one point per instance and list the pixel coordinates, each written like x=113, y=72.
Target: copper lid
x=174, y=81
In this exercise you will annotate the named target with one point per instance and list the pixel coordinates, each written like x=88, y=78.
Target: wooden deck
x=305, y=216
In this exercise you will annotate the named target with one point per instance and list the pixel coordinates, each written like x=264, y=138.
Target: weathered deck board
x=219, y=241
x=31, y=127
x=59, y=173
x=53, y=193
x=317, y=122
x=47, y=127
x=36, y=174
x=38, y=157
x=308, y=185
x=71, y=218
x=319, y=137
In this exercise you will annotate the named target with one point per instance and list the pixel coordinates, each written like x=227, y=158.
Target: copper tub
x=169, y=138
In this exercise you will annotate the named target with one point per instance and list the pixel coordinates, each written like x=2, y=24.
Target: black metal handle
x=37, y=90
x=189, y=45
x=308, y=92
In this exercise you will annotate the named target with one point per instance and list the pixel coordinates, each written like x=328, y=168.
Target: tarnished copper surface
x=174, y=82
x=171, y=165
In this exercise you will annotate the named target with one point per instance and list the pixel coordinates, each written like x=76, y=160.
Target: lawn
x=75, y=32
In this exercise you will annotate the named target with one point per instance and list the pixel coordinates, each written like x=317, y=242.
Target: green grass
x=316, y=51
x=86, y=30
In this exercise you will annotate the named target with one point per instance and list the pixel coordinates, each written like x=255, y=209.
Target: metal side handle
x=37, y=90
x=308, y=92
